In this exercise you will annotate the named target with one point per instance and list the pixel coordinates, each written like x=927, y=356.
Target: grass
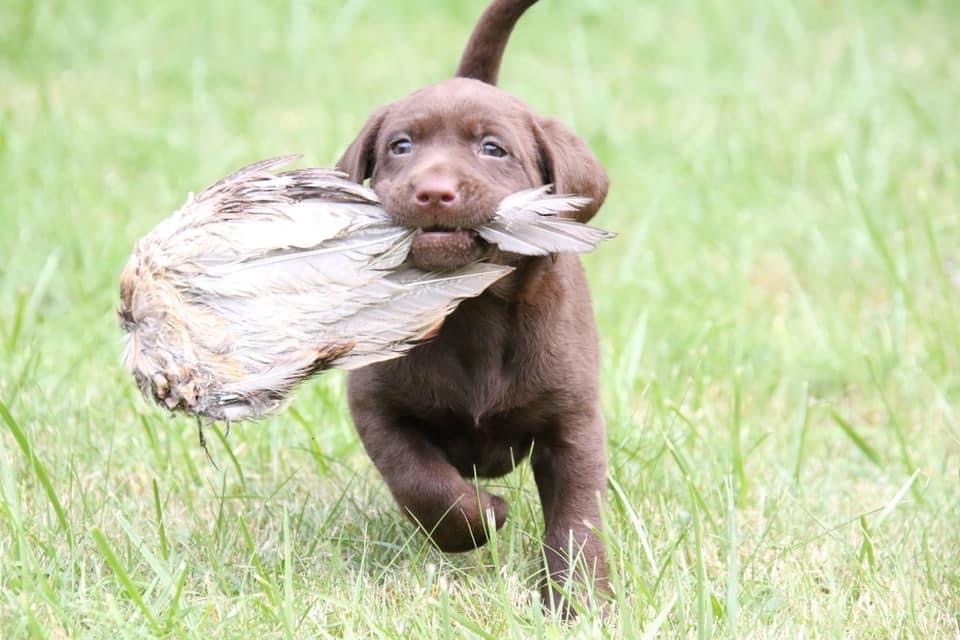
x=779, y=322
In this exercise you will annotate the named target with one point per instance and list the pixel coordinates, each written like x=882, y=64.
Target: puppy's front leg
x=428, y=489
x=571, y=471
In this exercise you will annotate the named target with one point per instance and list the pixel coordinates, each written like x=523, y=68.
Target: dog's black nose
x=436, y=190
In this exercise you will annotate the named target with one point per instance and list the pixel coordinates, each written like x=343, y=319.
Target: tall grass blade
x=128, y=586
x=868, y=451
x=287, y=606
x=733, y=563
x=161, y=531
x=704, y=608
x=803, y=422
x=897, y=499
x=38, y=469
x=653, y=629
x=736, y=455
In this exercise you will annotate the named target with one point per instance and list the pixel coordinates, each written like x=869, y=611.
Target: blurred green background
x=779, y=321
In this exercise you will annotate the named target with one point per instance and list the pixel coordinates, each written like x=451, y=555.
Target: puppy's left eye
x=489, y=148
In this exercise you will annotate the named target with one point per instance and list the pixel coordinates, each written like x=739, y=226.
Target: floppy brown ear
x=359, y=160
x=569, y=165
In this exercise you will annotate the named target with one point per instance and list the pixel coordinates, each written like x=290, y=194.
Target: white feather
x=530, y=223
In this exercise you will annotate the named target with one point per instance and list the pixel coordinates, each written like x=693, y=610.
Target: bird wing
x=254, y=212
x=275, y=352
x=408, y=306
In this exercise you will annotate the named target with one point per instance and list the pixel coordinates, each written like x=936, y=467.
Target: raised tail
x=482, y=55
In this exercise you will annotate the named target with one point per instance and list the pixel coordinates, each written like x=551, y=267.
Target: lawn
x=779, y=320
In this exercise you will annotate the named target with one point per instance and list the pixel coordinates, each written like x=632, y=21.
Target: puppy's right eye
x=401, y=146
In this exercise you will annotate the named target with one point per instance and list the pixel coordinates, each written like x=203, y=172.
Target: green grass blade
x=866, y=547
x=652, y=630
x=222, y=437
x=161, y=531
x=897, y=499
x=803, y=423
x=16, y=327
x=128, y=585
x=868, y=451
x=733, y=563
x=287, y=602
x=736, y=454
x=38, y=469
x=704, y=608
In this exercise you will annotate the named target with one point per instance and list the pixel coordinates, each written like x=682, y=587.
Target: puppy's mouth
x=439, y=249
x=440, y=233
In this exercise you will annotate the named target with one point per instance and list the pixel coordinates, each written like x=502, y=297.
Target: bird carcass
x=266, y=278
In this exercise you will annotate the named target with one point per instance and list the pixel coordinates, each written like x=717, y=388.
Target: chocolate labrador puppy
x=513, y=371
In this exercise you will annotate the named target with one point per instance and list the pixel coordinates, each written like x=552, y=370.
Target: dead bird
x=265, y=279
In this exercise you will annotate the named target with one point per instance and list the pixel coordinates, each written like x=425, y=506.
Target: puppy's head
x=443, y=158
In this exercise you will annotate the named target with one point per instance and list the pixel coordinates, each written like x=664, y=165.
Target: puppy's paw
x=564, y=593
x=465, y=525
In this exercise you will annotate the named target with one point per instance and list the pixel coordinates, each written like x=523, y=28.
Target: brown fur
x=513, y=371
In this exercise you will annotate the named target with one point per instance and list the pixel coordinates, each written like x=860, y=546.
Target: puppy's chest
x=468, y=380
x=475, y=373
